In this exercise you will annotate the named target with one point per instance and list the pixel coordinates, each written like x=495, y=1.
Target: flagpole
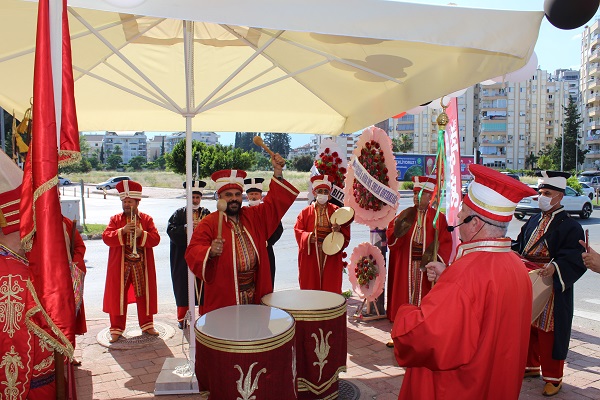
x=56, y=9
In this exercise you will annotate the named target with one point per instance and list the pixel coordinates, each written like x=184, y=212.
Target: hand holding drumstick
x=216, y=246
x=276, y=160
x=591, y=258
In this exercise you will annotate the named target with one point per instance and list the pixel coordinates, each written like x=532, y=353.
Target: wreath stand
x=374, y=310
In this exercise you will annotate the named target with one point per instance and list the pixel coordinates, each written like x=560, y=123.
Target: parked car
x=588, y=190
x=590, y=178
x=63, y=181
x=573, y=202
x=112, y=182
x=515, y=176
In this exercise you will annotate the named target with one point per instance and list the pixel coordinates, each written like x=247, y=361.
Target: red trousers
x=117, y=322
x=540, y=354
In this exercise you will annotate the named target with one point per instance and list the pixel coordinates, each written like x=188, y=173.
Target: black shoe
x=180, y=325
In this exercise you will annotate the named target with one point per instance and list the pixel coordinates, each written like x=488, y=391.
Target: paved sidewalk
x=131, y=374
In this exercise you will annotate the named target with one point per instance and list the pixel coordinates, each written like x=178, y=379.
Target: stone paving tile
x=131, y=374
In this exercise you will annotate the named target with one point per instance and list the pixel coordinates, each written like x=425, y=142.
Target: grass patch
x=93, y=229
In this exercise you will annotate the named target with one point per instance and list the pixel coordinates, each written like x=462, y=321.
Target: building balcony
x=594, y=139
x=593, y=154
x=595, y=56
x=594, y=125
x=593, y=85
x=593, y=111
x=594, y=70
x=593, y=98
x=595, y=41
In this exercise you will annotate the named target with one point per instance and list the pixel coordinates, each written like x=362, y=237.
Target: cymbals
x=333, y=243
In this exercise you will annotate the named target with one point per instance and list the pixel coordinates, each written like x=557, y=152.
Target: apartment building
x=132, y=144
x=155, y=144
x=501, y=124
x=590, y=94
x=346, y=141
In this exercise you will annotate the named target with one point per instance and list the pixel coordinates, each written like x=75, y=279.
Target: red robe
x=28, y=363
x=400, y=259
x=469, y=338
x=77, y=259
x=220, y=273
x=309, y=271
x=115, y=299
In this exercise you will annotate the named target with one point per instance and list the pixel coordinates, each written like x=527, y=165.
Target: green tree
x=114, y=161
x=212, y=158
x=545, y=162
x=84, y=165
x=278, y=143
x=8, y=119
x=530, y=161
x=303, y=163
x=117, y=150
x=101, y=157
x=244, y=141
x=94, y=162
x=162, y=147
x=136, y=163
x=403, y=144
x=570, y=126
x=262, y=162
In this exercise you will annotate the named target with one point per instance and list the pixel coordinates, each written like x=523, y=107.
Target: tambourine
x=342, y=216
x=333, y=243
x=542, y=289
x=404, y=221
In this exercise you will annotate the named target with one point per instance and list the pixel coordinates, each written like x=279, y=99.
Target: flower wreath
x=374, y=152
x=330, y=163
x=366, y=271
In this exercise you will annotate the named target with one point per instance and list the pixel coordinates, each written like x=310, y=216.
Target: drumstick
x=259, y=142
x=587, y=240
x=221, y=207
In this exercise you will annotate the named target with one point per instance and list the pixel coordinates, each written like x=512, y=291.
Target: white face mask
x=253, y=202
x=195, y=206
x=545, y=203
x=322, y=198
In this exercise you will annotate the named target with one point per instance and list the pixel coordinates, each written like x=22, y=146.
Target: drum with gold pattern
x=246, y=351
x=321, y=338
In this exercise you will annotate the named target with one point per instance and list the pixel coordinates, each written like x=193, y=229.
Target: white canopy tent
x=280, y=66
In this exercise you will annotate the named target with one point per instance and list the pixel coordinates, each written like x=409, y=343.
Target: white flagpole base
x=176, y=377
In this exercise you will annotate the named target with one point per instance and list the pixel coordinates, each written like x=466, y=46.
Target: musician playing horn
x=318, y=271
x=131, y=273
x=469, y=337
x=408, y=236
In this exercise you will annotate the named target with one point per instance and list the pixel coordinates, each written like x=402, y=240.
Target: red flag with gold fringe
x=41, y=219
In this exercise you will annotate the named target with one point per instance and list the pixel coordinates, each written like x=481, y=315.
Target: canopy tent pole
x=178, y=375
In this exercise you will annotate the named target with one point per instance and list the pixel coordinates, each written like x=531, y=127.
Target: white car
x=588, y=190
x=63, y=181
x=573, y=202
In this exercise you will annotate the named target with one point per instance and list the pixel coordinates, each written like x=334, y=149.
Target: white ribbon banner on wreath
x=378, y=189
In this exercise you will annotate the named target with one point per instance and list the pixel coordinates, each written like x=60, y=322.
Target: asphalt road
x=99, y=210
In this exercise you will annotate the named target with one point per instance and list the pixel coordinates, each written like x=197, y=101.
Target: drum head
x=297, y=299
x=245, y=322
x=333, y=243
x=542, y=289
x=342, y=216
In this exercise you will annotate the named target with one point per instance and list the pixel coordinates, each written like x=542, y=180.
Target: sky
x=555, y=48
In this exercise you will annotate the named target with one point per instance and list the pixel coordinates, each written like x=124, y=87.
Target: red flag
x=41, y=218
x=453, y=175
